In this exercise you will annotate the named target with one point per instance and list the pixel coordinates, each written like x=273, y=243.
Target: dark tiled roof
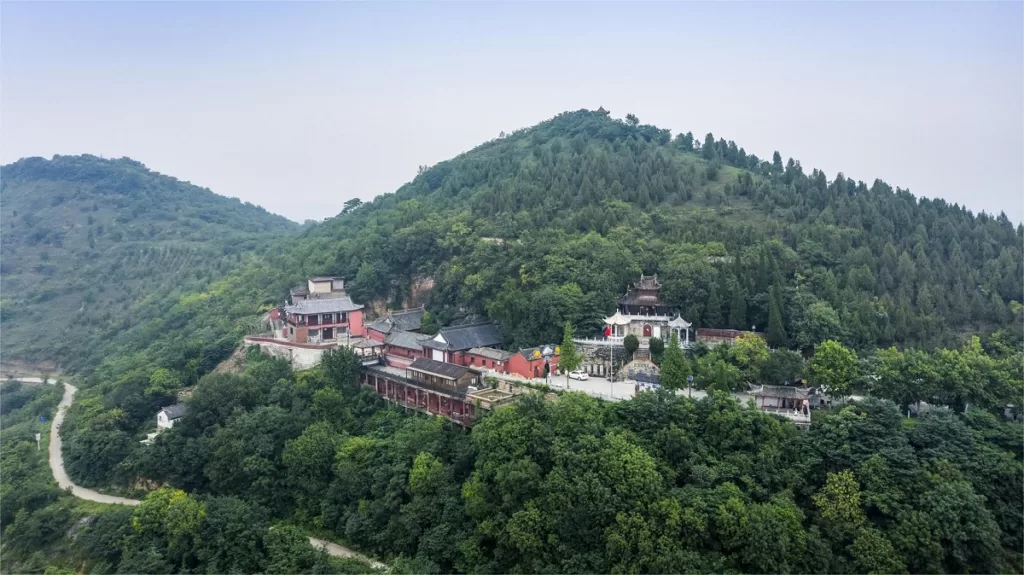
x=633, y=298
x=325, y=278
x=491, y=353
x=406, y=339
x=439, y=368
x=380, y=324
x=464, y=337
x=648, y=282
x=176, y=411
x=409, y=319
x=323, y=305
x=782, y=391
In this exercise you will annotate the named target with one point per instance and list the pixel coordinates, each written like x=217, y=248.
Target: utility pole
x=611, y=379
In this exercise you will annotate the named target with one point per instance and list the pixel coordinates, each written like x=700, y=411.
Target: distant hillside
x=88, y=244
x=551, y=223
x=587, y=203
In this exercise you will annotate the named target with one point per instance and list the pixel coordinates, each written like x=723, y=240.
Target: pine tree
x=674, y=368
x=763, y=274
x=713, y=315
x=568, y=358
x=738, y=308
x=776, y=335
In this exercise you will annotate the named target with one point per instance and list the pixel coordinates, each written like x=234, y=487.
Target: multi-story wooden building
x=443, y=389
x=322, y=312
x=641, y=312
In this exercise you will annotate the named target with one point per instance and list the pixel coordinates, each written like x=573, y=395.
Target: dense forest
x=91, y=246
x=917, y=300
x=48, y=530
x=658, y=484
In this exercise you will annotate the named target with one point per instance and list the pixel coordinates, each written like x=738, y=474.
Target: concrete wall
x=300, y=358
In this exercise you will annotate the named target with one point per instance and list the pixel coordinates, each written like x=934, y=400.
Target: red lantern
x=607, y=331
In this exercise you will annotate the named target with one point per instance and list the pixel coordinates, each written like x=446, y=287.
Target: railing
x=616, y=340
x=453, y=391
x=791, y=414
x=611, y=340
x=286, y=343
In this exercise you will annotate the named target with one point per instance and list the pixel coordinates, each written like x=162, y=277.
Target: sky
x=300, y=106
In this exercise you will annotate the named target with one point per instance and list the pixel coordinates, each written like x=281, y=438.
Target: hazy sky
x=301, y=106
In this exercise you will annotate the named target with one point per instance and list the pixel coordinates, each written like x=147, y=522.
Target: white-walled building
x=170, y=414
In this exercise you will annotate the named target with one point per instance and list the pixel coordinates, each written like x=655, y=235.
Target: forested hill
x=551, y=223
x=91, y=246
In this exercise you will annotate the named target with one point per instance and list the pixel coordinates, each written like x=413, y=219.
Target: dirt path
x=57, y=465
x=339, y=551
x=57, y=458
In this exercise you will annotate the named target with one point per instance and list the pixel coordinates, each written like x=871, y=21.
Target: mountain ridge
x=71, y=225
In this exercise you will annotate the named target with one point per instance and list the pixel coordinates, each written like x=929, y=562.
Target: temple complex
x=642, y=313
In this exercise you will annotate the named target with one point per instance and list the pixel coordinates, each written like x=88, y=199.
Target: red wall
x=355, y=323
x=474, y=360
x=520, y=365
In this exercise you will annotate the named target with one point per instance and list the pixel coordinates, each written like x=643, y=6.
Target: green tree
x=569, y=359
x=713, y=315
x=834, y=367
x=818, y=323
x=631, y=343
x=656, y=345
x=675, y=369
x=738, y=309
x=749, y=353
x=776, y=334
x=429, y=325
x=839, y=501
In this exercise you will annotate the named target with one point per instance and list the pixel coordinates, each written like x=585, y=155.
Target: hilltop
x=534, y=229
x=90, y=246
x=550, y=223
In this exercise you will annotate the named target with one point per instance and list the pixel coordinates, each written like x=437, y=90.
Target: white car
x=580, y=375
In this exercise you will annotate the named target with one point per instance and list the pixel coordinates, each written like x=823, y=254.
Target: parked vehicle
x=580, y=375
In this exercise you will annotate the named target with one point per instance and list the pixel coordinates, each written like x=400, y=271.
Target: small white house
x=170, y=414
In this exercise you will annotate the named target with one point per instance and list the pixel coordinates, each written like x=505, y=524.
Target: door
x=647, y=330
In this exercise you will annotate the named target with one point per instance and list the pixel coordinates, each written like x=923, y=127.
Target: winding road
x=57, y=465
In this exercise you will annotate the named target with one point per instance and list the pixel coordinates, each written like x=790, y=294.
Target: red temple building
x=447, y=390
x=322, y=312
